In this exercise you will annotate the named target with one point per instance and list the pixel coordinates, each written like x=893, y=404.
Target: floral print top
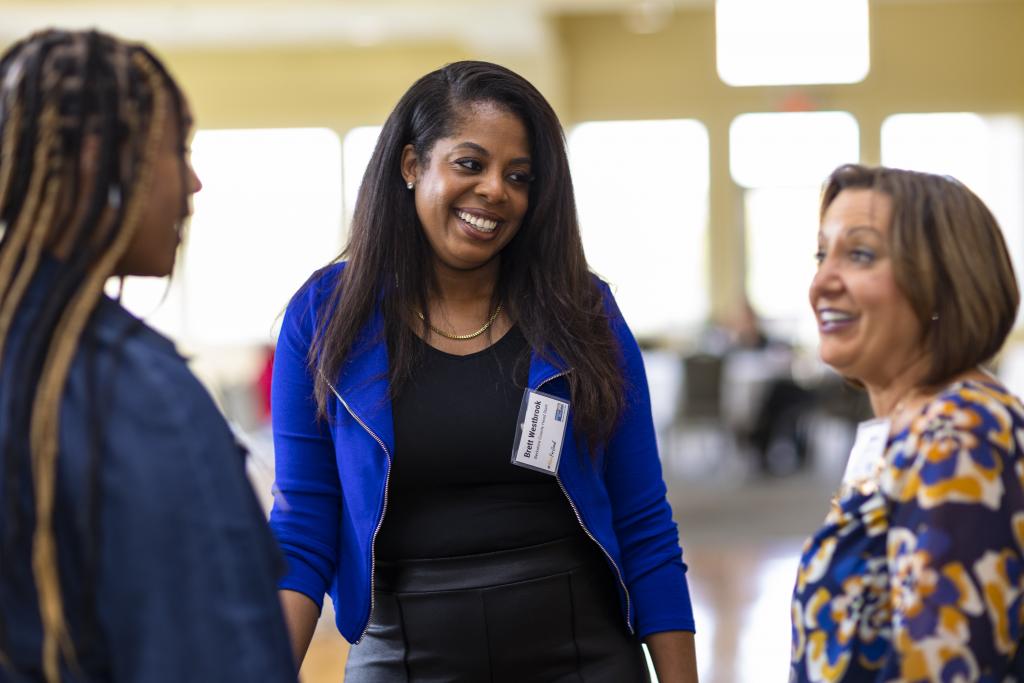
x=918, y=571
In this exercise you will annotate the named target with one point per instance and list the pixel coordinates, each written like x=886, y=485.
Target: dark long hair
x=543, y=282
x=58, y=90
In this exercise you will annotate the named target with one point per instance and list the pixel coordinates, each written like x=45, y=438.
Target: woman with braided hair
x=131, y=546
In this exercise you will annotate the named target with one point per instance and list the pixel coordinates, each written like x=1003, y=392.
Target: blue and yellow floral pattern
x=918, y=574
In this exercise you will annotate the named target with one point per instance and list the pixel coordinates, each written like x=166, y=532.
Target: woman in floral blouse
x=917, y=573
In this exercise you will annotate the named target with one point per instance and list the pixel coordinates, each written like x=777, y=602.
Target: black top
x=453, y=488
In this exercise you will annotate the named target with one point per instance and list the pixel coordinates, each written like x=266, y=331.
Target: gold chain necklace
x=465, y=337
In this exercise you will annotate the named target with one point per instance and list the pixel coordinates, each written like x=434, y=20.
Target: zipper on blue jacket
x=579, y=518
x=383, y=509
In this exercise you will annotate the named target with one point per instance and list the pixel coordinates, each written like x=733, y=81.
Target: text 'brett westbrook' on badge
x=540, y=432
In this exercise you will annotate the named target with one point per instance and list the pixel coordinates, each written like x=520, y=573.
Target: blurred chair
x=700, y=442
x=701, y=401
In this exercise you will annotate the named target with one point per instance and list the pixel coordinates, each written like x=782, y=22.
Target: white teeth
x=834, y=316
x=481, y=224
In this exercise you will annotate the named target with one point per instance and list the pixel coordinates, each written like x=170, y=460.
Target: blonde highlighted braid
x=140, y=95
x=29, y=235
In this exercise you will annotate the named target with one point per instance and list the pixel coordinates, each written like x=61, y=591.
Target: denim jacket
x=332, y=476
x=167, y=567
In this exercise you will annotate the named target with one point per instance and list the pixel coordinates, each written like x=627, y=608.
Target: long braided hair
x=60, y=90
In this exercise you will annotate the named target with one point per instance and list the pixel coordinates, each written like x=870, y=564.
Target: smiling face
x=472, y=190
x=868, y=330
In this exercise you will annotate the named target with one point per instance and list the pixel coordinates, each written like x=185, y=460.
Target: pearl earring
x=410, y=184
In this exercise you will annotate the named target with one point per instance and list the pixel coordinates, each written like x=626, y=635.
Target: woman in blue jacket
x=132, y=547
x=465, y=453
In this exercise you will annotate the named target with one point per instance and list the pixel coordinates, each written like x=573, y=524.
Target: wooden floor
x=325, y=660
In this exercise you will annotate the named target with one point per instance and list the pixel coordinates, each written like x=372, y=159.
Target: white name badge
x=540, y=432
x=867, y=452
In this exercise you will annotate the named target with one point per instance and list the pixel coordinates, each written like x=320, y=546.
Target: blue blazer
x=332, y=477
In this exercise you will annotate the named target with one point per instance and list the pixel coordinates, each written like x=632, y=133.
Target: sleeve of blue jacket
x=649, y=540
x=308, y=499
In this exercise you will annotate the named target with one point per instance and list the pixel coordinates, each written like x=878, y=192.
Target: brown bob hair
x=949, y=259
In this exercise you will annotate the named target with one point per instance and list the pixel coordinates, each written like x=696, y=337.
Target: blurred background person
x=132, y=546
x=463, y=300
x=761, y=401
x=916, y=573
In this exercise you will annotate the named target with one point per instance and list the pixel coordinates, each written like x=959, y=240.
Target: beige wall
x=338, y=88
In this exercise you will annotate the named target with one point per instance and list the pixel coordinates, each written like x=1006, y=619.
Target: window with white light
x=785, y=42
x=356, y=152
x=791, y=149
x=268, y=215
x=782, y=233
x=986, y=153
x=782, y=159
x=642, y=195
